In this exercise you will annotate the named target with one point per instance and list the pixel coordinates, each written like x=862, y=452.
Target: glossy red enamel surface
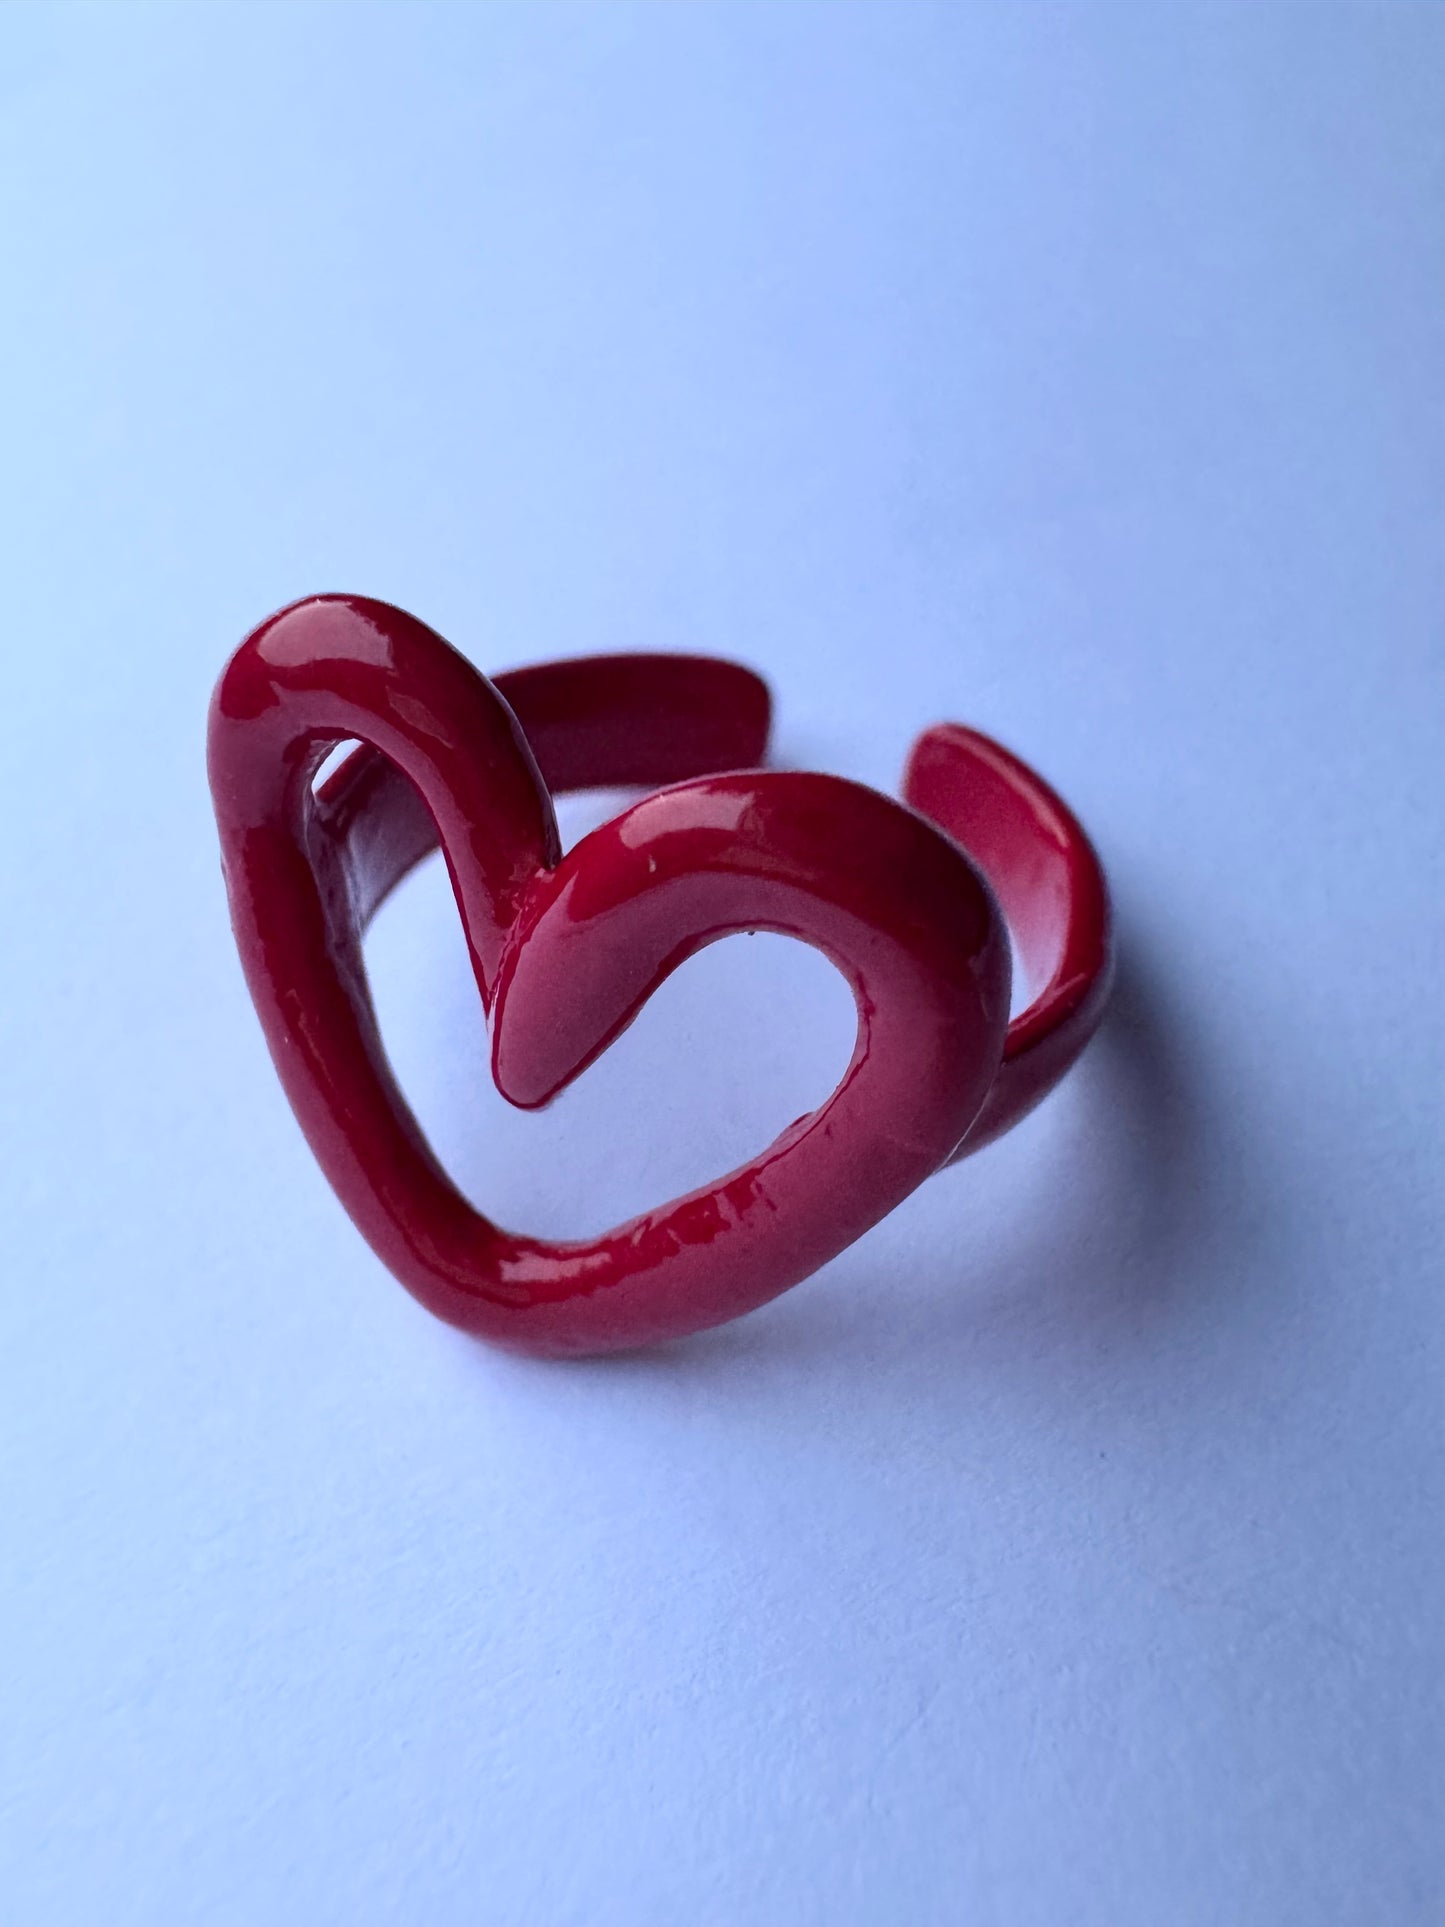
x=1051, y=889
x=567, y=949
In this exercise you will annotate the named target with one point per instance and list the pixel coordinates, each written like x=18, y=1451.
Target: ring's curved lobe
x=565, y=951
x=1050, y=886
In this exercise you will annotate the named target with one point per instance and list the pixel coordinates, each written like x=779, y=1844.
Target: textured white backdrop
x=1070, y=1550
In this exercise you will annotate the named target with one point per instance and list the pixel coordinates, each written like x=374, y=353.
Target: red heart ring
x=915, y=903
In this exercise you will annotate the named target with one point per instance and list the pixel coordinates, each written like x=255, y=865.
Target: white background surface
x=1069, y=1551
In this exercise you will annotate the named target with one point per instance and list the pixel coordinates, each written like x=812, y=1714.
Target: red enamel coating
x=1051, y=889
x=566, y=950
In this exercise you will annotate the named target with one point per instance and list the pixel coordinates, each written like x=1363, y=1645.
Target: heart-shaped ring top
x=566, y=950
